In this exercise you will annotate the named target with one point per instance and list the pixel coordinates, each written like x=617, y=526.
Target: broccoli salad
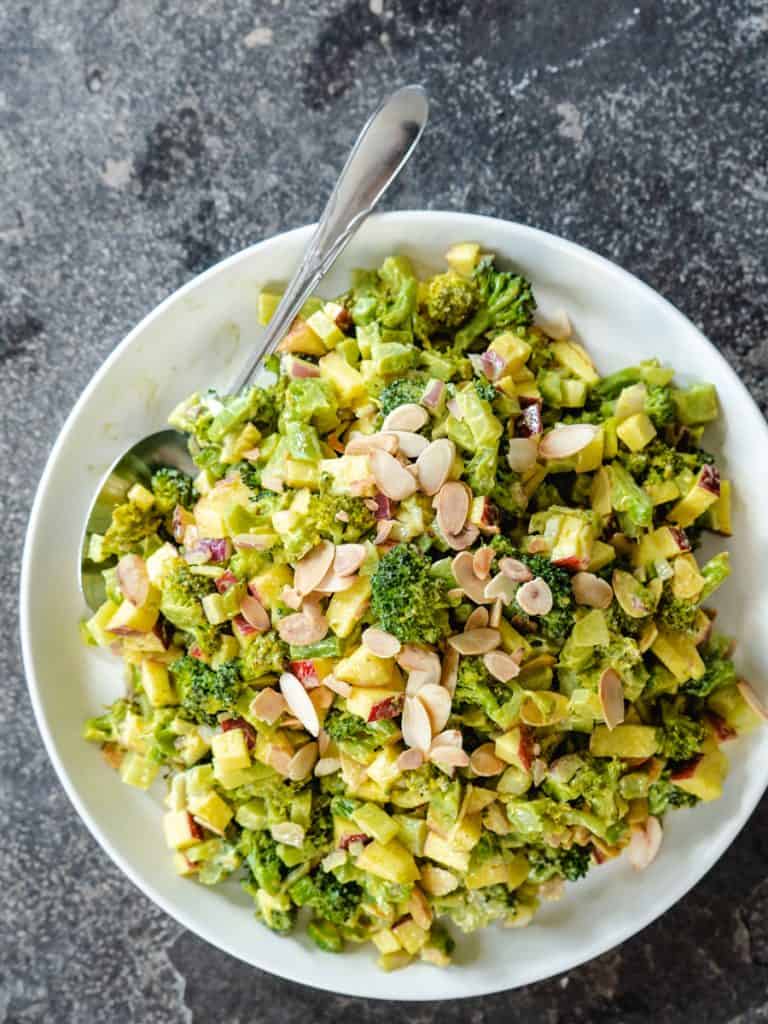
x=427, y=635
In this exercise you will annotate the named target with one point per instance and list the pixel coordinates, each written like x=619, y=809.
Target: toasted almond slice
x=410, y=444
x=749, y=694
x=268, y=705
x=434, y=464
x=302, y=628
x=481, y=562
x=416, y=680
x=419, y=909
x=590, y=590
x=418, y=659
x=323, y=742
x=494, y=619
x=364, y=444
x=391, y=477
x=478, y=619
x=410, y=760
x=437, y=701
x=484, y=762
x=279, y=759
x=501, y=587
x=337, y=685
x=563, y=442
x=538, y=546
x=381, y=643
x=645, y=843
x=333, y=583
x=501, y=665
x=450, y=670
x=449, y=757
x=648, y=637
x=535, y=597
x=383, y=529
x=515, y=570
x=291, y=598
x=288, y=833
x=452, y=507
x=415, y=725
x=298, y=701
x=313, y=567
x=348, y=558
x=611, y=692
x=255, y=614
x=522, y=453
x=557, y=325
x=464, y=574
x=447, y=738
x=302, y=762
x=465, y=539
x=410, y=417
x=475, y=641
x=327, y=766
x=437, y=881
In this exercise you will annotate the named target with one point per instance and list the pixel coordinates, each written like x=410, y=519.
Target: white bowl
x=198, y=337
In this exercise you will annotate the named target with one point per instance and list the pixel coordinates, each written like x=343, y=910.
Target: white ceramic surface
x=196, y=338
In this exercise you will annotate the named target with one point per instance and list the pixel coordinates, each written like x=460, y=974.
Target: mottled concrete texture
x=140, y=142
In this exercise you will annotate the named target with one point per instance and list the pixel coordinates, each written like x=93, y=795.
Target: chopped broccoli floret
x=357, y=738
x=205, y=692
x=321, y=522
x=131, y=525
x=180, y=597
x=720, y=669
x=664, y=794
x=470, y=909
x=485, y=389
x=388, y=295
x=171, y=487
x=104, y=728
x=555, y=625
x=660, y=406
x=330, y=899
x=407, y=599
x=675, y=613
x=476, y=687
x=400, y=392
x=547, y=862
x=449, y=299
x=264, y=655
x=504, y=300
x=680, y=736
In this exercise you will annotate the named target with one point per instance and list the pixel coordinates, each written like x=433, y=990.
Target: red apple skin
x=225, y=581
x=687, y=770
x=680, y=538
x=195, y=828
x=247, y=728
x=305, y=672
x=709, y=479
x=572, y=563
x=389, y=708
x=354, y=838
x=723, y=731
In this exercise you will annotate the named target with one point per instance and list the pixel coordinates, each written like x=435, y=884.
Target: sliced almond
x=416, y=681
x=535, y=597
x=563, y=442
x=415, y=725
x=611, y=693
x=465, y=539
x=301, y=628
x=501, y=587
x=449, y=757
x=447, y=738
x=478, y=619
x=749, y=694
x=278, y=758
x=299, y=703
x=522, y=453
x=475, y=641
x=494, y=619
x=348, y=558
x=291, y=598
x=453, y=502
x=255, y=614
x=437, y=881
x=364, y=444
x=302, y=762
x=450, y=670
x=383, y=529
x=591, y=591
x=323, y=742
x=501, y=665
x=391, y=477
x=481, y=562
x=434, y=464
x=484, y=762
x=648, y=636
x=313, y=567
x=409, y=417
x=645, y=843
x=339, y=686
x=410, y=760
x=333, y=583
x=381, y=643
x=327, y=766
x=418, y=659
x=268, y=705
x=515, y=570
x=410, y=444
x=437, y=701
x=464, y=574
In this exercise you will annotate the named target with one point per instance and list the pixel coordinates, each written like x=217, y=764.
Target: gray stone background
x=142, y=141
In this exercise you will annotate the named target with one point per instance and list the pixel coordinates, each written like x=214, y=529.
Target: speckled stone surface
x=142, y=141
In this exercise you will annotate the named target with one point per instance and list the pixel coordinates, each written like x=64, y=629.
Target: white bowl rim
x=474, y=224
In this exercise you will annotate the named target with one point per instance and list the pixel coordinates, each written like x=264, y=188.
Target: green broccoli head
x=403, y=391
x=471, y=909
x=477, y=688
x=205, y=692
x=355, y=737
x=131, y=525
x=407, y=599
x=171, y=487
x=664, y=794
x=449, y=299
x=180, y=597
x=264, y=655
x=485, y=389
x=330, y=899
x=549, y=862
x=679, y=737
x=719, y=668
x=504, y=300
x=341, y=518
x=106, y=728
x=556, y=624
x=660, y=406
x=675, y=613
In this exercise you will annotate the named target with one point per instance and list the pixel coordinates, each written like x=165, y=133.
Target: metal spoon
x=381, y=151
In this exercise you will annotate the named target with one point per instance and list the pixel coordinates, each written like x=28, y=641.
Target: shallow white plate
x=198, y=337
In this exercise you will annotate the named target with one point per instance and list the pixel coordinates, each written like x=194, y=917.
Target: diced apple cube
x=410, y=935
x=141, y=496
x=210, y=810
x=180, y=830
x=346, y=607
x=463, y=257
x=130, y=618
x=703, y=777
x=375, y=822
x=362, y=668
x=390, y=861
x=441, y=851
x=386, y=941
x=137, y=770
x=571, y=355
x=159, y=563
x=627, y=741
x=704, y=493
x=346, y=381
x=325, y=328
x=636, y=431
x=515, y=748
x=678, y=653
x=156, y=683
x=230, y=750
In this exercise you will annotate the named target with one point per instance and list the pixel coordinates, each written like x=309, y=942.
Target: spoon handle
x=381, y=151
